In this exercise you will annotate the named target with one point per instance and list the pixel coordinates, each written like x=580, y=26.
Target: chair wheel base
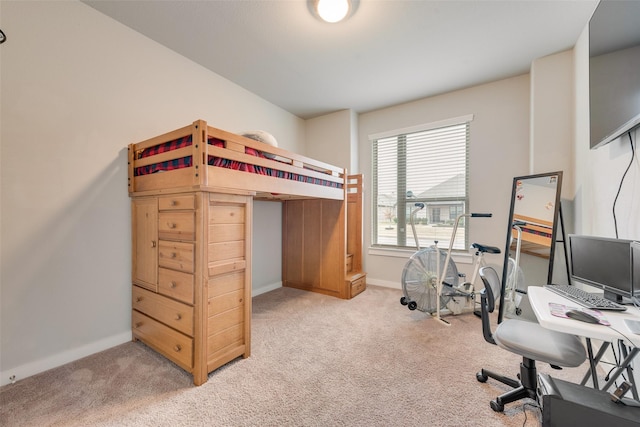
x=481, y=377
x=496, y=406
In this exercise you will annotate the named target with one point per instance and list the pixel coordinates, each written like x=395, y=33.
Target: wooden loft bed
x=222, y=158
x=536, y=236
x=192, y=193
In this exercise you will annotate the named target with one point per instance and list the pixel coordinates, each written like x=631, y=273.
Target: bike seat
x=485, y=248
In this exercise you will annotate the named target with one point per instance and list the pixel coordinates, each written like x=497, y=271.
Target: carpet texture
x=316, y=361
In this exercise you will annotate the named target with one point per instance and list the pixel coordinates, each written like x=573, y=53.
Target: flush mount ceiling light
x=332, y=11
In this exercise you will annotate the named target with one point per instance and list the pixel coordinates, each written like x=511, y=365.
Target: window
x=427, y=164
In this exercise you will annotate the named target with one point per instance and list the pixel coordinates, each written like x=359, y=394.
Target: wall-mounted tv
x=614, y=64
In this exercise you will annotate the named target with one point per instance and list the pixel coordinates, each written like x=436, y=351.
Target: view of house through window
x=427, y=164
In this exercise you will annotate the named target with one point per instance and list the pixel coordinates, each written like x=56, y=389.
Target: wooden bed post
x=200, y=153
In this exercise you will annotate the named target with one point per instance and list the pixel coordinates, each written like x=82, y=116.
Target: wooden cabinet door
x=144, y=217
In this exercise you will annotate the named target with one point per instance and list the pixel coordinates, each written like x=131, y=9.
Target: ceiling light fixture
x=332, y=11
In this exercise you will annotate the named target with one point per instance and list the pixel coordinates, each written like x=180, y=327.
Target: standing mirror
x=530, y=243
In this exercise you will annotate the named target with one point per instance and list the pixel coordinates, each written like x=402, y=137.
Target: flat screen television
x=614, y=79
x=608, y=264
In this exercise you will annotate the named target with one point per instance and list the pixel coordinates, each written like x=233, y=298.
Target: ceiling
x=388, y=52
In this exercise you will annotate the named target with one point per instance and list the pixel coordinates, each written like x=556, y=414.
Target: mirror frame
x=554, y=232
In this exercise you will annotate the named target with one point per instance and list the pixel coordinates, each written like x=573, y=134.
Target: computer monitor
x=607, y=264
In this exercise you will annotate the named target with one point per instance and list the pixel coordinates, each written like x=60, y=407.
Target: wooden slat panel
x=228, y=338
x=260, y=146
x=227, y=214
x=225, y=320
x=226, y=267
x=312, y=246
x=233, y=179
x=225, y=283
x=226, y=302
x=226, y=251
x=161, y=181
x=333, y=246
x=226, y=232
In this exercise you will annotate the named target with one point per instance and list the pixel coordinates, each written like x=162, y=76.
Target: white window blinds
x=426, y=164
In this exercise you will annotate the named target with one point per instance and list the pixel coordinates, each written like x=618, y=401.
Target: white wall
x=598, y=172
x=77, y=87
x=328, y=138
x=499, y=151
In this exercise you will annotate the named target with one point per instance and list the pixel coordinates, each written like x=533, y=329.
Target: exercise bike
x=430, y=279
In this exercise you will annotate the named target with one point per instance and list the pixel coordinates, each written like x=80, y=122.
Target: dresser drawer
x=177, y=202
x=176, y=284
x=172, y=344
x=172, y=313
x=176, y=256
x=177, y=225
x=358, y=285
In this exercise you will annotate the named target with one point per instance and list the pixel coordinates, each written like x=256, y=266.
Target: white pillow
x=262, y=136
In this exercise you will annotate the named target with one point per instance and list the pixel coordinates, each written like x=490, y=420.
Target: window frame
x=403, y=233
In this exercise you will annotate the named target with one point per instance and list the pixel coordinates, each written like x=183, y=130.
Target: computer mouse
x=582, y=316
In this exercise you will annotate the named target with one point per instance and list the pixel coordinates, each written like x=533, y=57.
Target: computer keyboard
x=584, y=298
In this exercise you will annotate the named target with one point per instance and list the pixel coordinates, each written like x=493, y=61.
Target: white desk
x=539, y=298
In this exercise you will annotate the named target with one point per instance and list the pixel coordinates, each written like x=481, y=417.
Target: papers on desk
x=560, y=310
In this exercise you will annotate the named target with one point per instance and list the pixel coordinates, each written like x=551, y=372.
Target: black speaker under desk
x=567, y=404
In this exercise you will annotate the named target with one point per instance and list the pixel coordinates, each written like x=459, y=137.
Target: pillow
x=262, y=136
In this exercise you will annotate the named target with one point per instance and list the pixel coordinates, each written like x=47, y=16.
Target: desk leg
x=623, y=366
x=634, y=389
x=593, y=362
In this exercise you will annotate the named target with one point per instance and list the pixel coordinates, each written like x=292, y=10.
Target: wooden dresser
x=191, y=273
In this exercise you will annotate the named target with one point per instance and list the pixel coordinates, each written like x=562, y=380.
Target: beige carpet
x=316, y=361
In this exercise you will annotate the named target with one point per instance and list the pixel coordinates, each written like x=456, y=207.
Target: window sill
x=457, y=256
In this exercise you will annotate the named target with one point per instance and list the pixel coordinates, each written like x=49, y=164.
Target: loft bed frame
x=536, y=236
x=315, y=179
x=192, y=194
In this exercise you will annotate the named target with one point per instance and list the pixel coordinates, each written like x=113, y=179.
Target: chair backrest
x=488, y=297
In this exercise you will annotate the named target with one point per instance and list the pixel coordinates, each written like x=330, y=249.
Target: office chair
x=527, y=339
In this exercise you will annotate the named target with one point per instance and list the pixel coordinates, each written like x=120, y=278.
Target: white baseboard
x=21, y=372
x=265, y=288
x=384, y=283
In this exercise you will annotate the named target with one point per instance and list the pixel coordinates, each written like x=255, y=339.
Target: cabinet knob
x=177, y=348
x=153, y=243
x=178, y=316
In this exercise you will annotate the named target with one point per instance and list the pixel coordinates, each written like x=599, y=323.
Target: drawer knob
x=138, y=324
x=177, y=348
x=153, y=243
x=173, y=284
x=174, y=255
x=178, y=316
x=138, y=299
x=171, y=225
x=173, y=202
